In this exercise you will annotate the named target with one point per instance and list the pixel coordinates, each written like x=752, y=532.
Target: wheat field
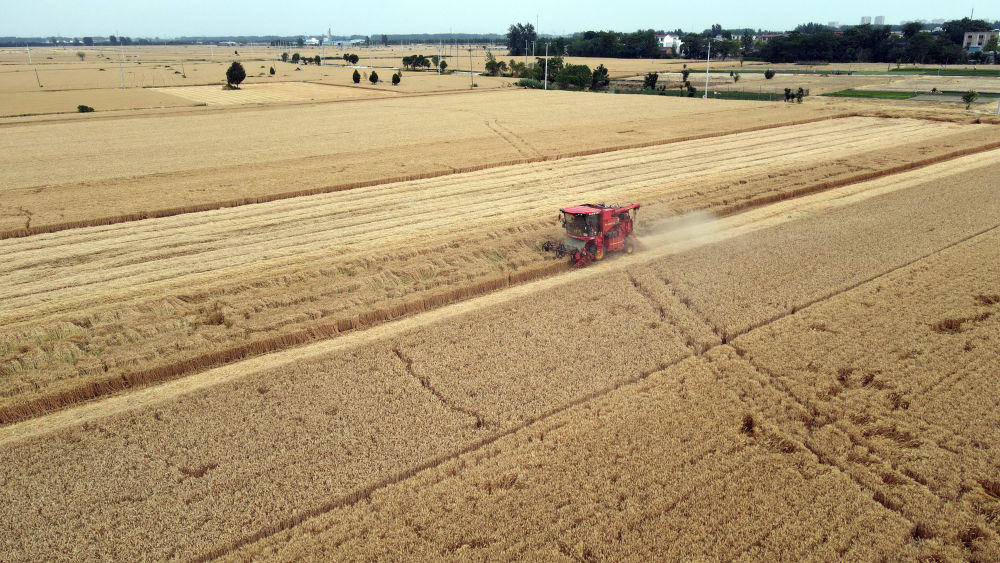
x=89, y=311
x=482, y=409
x=308, y=320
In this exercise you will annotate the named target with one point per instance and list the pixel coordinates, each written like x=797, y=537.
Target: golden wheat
x=140, y=302
x=276, y=452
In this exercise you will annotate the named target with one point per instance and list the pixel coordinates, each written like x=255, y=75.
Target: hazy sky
x=157, y=18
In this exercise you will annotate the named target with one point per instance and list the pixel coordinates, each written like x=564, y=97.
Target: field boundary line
x=236, y=202
x=367, y=491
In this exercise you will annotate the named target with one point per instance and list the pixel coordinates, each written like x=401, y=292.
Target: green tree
x=492, y=67
x=296, y=58
x=88, y=41
x=578, y=76
x=317, y=59
x=385, y=40
x=600, y=78
x=799, y=95
x=272, y=71
x=444, y=65
x=649, y=82
x=373, y=78
x=969, y=98
x=300, y=42
x=357, y=76
x=993, y=44
x=81, y=54
x=112, y=39
x=284, y=57
x=84, y=109
x=395, y=79
x=517, y=35
x=911, y=29
x=354, y=59
x=235, y=74
x=684, y=74
x=746, y=42
x=736, y=77
x=768, y=74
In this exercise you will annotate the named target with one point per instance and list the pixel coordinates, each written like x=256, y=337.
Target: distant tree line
x=866, y=43
x=808, y=42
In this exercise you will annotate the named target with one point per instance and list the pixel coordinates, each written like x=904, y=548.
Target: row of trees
x=866, y=43
x=560, y=73
x=641, y=44
x=809, y=42
x=297, y=58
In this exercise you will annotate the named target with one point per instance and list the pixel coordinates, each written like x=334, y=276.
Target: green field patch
x=877, y=94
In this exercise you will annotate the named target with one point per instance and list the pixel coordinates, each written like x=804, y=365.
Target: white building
x=866, y=20
x=879, y=20
x=977, y=40
x=670, y=44
x=312, y=41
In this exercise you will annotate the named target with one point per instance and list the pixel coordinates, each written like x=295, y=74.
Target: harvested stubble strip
x=911, y=404
x=189, y=474
x=661, y=469
x=101, y=342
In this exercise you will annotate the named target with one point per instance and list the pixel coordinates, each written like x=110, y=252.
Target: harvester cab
x=593, y=230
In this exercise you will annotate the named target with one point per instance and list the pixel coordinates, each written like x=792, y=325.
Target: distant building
x=329, y=36
x=938, y=21
x=879, y=20
x=765, y=37
x=977, y=40
x=866, y=20
x=833, y=24
x=311, y=41
x=669, y=44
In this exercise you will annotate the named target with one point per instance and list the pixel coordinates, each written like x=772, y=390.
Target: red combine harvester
x=594, y=230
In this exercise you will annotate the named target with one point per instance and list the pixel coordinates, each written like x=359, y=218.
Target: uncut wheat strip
x=172, y=249
x=654, y=148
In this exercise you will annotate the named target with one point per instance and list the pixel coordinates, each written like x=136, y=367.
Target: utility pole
x=27, y=49
x=212, y=48
x=439, y=58
x=546, y=66
x=525, y=53
x=708, y=62
x=121, y=70
x=533, y=54
x=472, y=77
